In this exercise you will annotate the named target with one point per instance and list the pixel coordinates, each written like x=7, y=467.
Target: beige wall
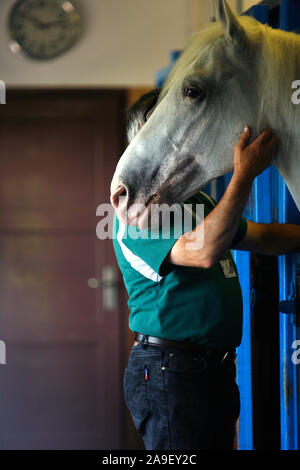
x=249, y=3
x=124, y=44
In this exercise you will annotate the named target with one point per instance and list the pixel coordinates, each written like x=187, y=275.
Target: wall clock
x=44, y=29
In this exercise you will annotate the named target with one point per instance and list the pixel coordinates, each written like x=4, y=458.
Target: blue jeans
x=182, y=404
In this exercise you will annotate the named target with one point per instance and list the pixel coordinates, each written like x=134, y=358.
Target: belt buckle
x=231, y=354
x=144, y=341
x=224, y=357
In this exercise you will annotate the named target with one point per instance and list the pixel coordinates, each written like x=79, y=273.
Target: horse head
x=211, y=94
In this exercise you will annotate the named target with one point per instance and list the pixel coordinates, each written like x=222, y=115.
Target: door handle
x=109, y=284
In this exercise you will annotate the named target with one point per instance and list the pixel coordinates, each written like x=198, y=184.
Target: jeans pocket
x=135, y=394
x=186, y=362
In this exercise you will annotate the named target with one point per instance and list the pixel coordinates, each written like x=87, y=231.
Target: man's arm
x=221, y=225
x=271, y=239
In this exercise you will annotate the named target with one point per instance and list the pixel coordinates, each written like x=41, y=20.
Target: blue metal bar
x=289, y=381
x=288, y=213
x=244, y=359
x=244, y=352
x=259, y=12
x=290, y=15
x=244, y=362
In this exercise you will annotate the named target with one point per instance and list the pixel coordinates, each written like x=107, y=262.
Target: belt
x=208, y=353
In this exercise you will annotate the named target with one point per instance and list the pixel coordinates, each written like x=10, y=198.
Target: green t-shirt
x=182, y=303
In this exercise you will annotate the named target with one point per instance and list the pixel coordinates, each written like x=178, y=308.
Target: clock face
x=43, y=29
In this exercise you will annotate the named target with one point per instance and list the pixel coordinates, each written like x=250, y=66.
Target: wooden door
x=61, y=387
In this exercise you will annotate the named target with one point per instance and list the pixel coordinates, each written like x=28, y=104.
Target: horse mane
x=277, y=69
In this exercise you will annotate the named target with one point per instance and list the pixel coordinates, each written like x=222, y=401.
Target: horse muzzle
x=129, y=213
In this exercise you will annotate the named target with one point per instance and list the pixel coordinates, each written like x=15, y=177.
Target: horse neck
x=280, y=67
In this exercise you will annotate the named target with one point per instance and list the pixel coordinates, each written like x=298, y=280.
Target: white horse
x=235, y=72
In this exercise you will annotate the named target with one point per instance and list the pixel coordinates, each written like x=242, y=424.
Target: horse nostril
x=120, y=192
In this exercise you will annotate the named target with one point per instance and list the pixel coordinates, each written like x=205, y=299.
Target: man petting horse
x=186, y=307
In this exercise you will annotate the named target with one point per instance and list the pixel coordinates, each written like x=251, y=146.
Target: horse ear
x=233, y=29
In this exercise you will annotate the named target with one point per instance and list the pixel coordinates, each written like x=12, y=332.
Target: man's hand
x=252, y=159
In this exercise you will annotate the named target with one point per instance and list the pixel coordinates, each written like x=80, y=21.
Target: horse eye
x=192, y=92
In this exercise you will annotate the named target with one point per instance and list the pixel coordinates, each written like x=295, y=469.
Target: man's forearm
x=279, y=239
x=219, y=227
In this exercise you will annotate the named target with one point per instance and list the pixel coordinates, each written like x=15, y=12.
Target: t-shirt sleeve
x=151, y=247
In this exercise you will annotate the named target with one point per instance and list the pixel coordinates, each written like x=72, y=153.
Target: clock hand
x=34, y=20
x=54, y=23
x=43, y=25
